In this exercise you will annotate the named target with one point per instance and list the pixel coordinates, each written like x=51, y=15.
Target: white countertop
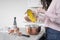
x=6, y=36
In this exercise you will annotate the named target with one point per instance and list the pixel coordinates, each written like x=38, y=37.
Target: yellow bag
x=31, y=16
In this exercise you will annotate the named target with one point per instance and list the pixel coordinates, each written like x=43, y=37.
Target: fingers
x=27, y=19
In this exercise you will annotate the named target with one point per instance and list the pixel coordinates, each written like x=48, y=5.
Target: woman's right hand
x=27, y=19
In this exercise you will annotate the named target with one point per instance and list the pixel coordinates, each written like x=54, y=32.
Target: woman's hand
x=27, y=19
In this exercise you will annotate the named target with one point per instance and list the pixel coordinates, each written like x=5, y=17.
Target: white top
x=53, y=15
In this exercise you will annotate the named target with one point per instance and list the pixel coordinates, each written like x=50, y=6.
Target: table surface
x=6, y=36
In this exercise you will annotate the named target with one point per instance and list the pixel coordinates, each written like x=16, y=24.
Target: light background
x=14, y=8
x=10, y=9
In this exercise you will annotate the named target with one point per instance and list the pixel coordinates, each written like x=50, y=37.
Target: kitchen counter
x=6, y=36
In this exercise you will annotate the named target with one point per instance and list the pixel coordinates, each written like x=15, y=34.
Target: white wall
x=10, y=9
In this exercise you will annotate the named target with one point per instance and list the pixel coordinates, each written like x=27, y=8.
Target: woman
x=52, y=21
